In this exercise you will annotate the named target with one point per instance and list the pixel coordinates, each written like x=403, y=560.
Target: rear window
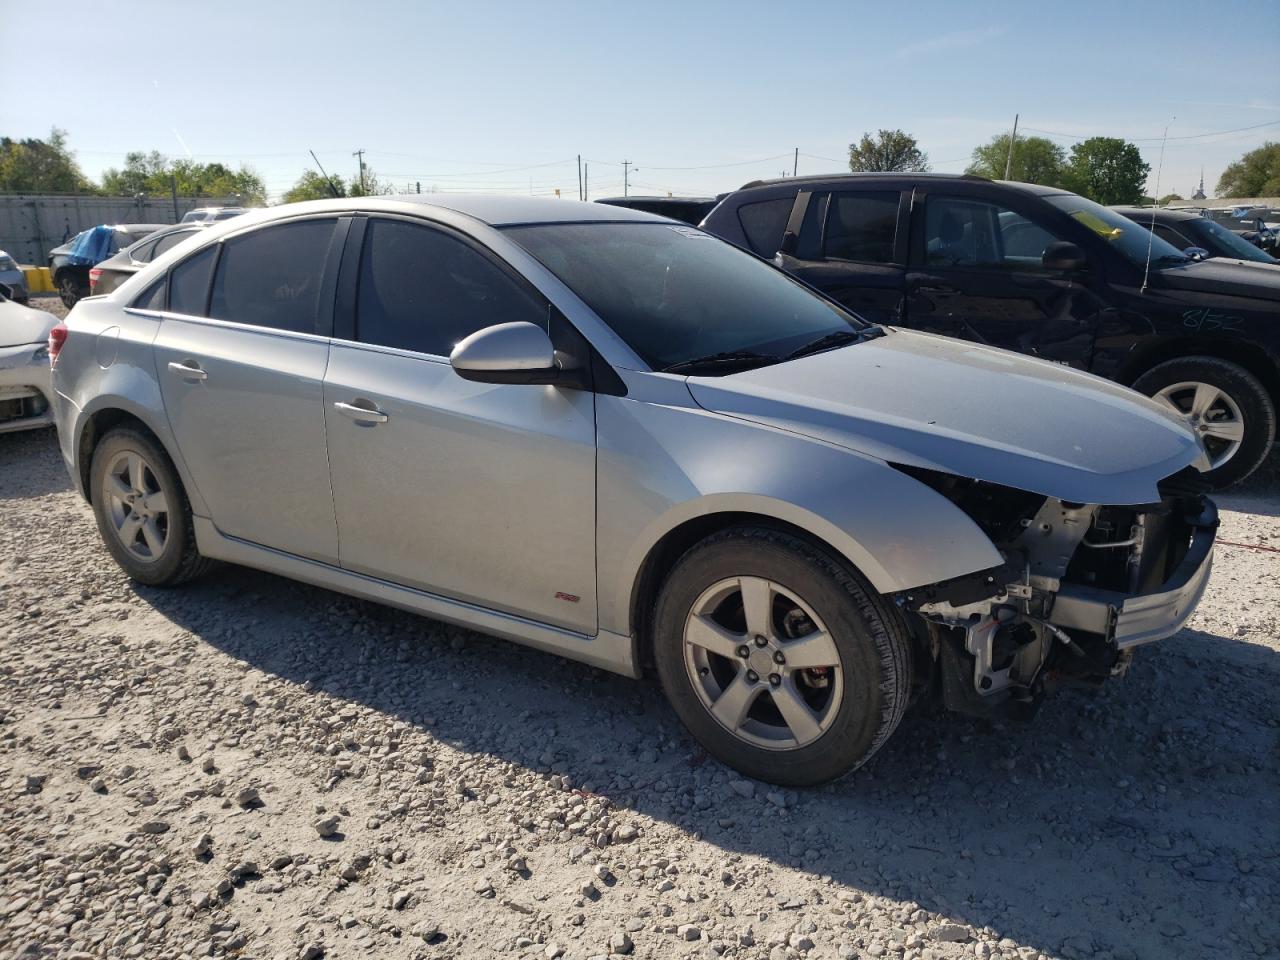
x=271, y=277
x=862, y=226
x=189, y=283
x=763, y=222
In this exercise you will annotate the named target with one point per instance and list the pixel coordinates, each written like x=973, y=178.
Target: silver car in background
x=26, y=390
x=13, y=278
x=612, y=436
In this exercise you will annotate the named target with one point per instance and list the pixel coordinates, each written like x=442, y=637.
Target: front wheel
x=782, y=662
x=1227, y=406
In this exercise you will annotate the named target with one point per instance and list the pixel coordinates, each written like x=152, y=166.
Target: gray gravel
x=251, y=767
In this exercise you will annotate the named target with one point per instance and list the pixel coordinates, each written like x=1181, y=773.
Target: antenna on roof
x=1151, y=232
x=327, y=179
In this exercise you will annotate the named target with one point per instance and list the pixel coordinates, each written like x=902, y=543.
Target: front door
x=977, y=273
x=241, y=365
x=479, y=492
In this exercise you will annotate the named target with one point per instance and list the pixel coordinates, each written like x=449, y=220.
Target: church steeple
x=1199, y=194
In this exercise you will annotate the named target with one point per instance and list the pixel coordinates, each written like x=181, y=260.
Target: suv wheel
x=781, y=661
x=142, y=510
x=1226, y=405
x=69, y=291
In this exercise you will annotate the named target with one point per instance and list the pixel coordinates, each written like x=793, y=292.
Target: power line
x=1189, y=136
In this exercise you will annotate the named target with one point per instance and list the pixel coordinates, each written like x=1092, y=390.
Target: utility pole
x=360, y=153
x=795, y=163
x=586, y=169
x=1008, y=164
x=626, y=183
x=173, y=186
x=580, y=195
x=418, y=184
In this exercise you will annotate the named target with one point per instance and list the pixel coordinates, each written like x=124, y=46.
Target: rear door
x=852, y=245
x=977, y=273
x=241, y=356
x=478, y=492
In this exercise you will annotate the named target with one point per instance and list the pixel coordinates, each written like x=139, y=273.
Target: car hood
x=1241, y=278
x=21, y=325
x=972, y=411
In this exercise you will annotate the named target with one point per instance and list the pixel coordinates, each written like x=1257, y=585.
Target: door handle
x=936, y=288
x=188, y=370
x=355, y=411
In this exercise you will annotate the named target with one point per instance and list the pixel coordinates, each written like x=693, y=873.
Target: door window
x=971, y=233
x=764, y=222
x=423, y=290
x=272, y=276
x=1169, y=235
x=189, y=283
x=167, y=242
x=862, y=226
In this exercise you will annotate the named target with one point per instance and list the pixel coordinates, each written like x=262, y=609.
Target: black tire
x=869, y=633
x=70, y=289
x=1245, y=390
x=179, y=560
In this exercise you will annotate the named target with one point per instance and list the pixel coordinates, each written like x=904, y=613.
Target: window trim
x=345, y=330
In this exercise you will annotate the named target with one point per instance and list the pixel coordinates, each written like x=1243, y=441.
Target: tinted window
x=423, y=290
x=1169, y=235
x=143, y=252
x=189, y=283
x=1130, y=240
x=151, y=298
x=763, y=222
x=167, y=242
x=970, y=233
x=675, y=293
x=862, y=226
x=271, y=277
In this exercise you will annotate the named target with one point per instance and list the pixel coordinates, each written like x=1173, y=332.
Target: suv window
x=862, y=226
x=971, y=233
x=271, y=277
x=423, y=290
x=189, y=283
x=764, y=222
x=1170, y=235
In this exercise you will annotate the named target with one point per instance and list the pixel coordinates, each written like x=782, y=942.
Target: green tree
x=1035, y=160
x=371, y=187
x=40, y=166
x=1256, y=174
x=1108, y=170
x=312, y=186
x=889, y=151
x=150, y=173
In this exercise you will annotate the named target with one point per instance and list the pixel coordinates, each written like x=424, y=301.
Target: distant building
x=1199, y=194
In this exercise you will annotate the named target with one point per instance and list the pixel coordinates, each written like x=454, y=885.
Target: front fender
x=661, y=466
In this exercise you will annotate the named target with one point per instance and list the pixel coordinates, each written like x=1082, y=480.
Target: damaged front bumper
x=25, y=388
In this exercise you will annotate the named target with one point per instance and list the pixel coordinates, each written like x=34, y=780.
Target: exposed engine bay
x=1081, y=586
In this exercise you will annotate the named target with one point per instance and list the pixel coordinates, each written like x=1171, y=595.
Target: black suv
x=1040, y=271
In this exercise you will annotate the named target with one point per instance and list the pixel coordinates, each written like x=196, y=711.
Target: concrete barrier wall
x=31, y=225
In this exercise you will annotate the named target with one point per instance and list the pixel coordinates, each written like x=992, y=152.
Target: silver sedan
x=26, y=391
x=609, y=435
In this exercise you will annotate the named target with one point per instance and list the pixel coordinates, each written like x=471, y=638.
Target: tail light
x=57, y=337
x=94, y=275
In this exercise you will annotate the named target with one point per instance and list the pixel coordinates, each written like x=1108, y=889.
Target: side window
x=167, y=242
x=763, y=222
x=189, y=283
x=421, y=289
x=971, y=233
x=862, y=226
x=144, y=252
x=1172, y=236
x=151, y=298
x=272, y=277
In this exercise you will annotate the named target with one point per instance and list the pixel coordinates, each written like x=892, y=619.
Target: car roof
x=902, y=179
x=496, y=211
x=139, y=227
x=634, y=198
x=1158, y=213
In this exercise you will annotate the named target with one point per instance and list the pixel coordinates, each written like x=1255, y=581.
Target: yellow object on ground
x=38, y=280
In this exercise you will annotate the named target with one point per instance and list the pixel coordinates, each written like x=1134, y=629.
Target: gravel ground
x=252, y=767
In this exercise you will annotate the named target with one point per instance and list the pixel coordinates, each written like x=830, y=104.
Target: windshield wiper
x=837, y=338
x=736, y=358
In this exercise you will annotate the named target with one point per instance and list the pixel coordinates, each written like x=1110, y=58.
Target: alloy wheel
x=137, y=506
x=762, y=663
x=1211, y=413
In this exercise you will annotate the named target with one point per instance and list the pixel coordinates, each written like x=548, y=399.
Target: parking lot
x=169, y=760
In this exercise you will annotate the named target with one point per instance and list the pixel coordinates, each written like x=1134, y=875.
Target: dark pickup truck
x=1040, y=271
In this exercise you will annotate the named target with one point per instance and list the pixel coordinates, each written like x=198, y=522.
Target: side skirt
x=606, y=650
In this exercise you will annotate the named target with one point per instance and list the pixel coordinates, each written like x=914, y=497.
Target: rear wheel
x=69, y=289
x=1226, y=405
x=142, y=510
x=781, y=661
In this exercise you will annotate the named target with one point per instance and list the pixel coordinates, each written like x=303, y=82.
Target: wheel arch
x=1251, y=357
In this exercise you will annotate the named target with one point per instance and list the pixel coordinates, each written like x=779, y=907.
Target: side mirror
x=507, y=353
x=1063, y=256
x=1197, y=253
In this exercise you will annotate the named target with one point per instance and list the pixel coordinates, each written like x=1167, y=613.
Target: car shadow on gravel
x=1117, y=821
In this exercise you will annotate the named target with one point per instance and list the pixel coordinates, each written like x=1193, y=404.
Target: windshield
x=1217, y=236
x=1128, y=238
x=676, y=294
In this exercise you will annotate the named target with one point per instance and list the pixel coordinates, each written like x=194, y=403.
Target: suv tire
x=1241, y=394
x=142, y=510
x=805, y=720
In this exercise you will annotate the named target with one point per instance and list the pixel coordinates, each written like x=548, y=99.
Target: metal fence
x=31, y=225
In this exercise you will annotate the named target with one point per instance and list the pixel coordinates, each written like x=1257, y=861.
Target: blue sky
x=701, y=96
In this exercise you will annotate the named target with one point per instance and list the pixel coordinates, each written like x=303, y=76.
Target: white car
x=26, y=395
